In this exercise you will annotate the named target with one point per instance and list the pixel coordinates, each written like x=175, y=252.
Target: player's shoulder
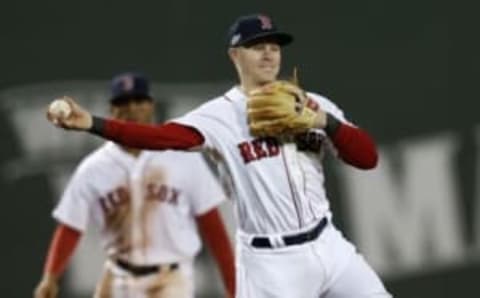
x=178, y=158
x=93, y=161
x=324, y=102
x=216, y=106
x=219, y=110
x=327, y=105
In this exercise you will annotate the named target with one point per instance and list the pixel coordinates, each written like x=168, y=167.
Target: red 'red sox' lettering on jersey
x=270, y=147
x=121, y=196
x=162, y=193
x=118, y=197
x=258, y=149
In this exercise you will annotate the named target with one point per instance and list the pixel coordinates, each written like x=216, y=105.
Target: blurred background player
x=149, y=207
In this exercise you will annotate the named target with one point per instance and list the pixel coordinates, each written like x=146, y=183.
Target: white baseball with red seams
x=60, y=108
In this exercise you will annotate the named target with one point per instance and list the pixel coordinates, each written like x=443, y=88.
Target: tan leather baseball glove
x=279, y=108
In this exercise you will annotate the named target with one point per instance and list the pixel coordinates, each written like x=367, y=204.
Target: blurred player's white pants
x=328, y=267
x=119, y=283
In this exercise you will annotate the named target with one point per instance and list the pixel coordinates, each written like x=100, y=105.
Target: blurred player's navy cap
x=248, y=29
x=129, y=85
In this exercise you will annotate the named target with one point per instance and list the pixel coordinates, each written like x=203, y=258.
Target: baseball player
x=148, y=208
x=269, y=136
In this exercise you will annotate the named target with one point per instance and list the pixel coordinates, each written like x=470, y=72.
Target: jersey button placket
x=136, y=182
x=295, y=176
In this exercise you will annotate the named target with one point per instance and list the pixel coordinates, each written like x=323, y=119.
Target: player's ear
x=232, y=53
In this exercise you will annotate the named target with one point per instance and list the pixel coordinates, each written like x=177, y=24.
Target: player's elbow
x=366, y=161
x=367, y=153
x=371, y=161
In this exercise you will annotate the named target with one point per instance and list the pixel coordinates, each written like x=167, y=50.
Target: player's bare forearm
x=355, y=146
x=145, y=136
x=215, y=236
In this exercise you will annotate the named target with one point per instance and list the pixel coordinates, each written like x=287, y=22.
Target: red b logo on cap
x=266, y=23
x=127, y=83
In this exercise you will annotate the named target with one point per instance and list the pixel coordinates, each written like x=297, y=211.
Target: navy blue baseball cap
x=248, y=29
x=129, y=85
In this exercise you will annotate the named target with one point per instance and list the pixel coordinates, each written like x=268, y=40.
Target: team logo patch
x=127, y=83
x=266, y=22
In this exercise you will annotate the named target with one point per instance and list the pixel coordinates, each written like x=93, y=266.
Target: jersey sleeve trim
x=62, y=219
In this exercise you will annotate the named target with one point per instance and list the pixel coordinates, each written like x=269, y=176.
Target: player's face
x=258, y=63
x=138, y=110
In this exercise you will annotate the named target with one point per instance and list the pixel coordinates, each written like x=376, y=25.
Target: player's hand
x=47, y=288
x=77, y=119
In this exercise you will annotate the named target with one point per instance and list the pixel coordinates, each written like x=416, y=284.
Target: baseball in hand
x=60, y=108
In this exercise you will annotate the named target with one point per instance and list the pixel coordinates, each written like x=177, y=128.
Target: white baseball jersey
x=143, y=206
x=278, y=185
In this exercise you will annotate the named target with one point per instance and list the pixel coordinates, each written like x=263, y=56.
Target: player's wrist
x=97, y=125
x=50, y=278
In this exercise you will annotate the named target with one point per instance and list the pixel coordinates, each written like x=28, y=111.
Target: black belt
x=139, y=270
x=300, y=238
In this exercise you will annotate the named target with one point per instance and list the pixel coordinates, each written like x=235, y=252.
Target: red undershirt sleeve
x=354, y=145
x=215, y=236
x=145, y=136
x=62, y=247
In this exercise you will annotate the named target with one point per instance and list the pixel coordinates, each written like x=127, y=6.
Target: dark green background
x=400, y=68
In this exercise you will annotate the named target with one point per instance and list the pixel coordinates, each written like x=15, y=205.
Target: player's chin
x=268, y=76
x=266, y=79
